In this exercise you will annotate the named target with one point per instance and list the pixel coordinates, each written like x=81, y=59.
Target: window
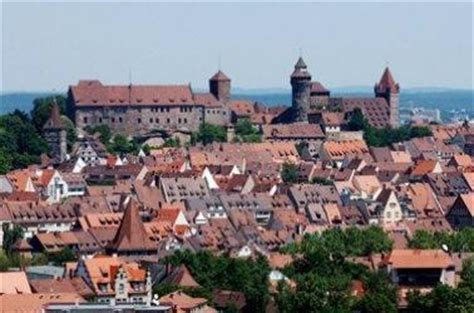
x=151, y=120
x=179, y=120
x=157, y=120
x=139, y=121
x=120, y=120
x=168, y=120
x=113, y=119
x=100, y=119
x=389, y=215
x=85, y=119
x=185, y=120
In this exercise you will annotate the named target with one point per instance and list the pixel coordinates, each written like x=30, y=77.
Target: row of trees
x=324, y=277
x=460, y=241
x=21, y=141
x=221, y=272
x=376, y=137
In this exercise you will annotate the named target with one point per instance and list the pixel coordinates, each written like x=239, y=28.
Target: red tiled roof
x=220, y=76
x=93, y=92
x=317, y=87
x=387, y=83
x=131, y=235
x=409, y=258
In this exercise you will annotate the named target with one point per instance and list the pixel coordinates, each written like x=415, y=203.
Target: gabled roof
x=14, y=283
x=181, y=276
x=131, y=235
x=182, y=301
x=387, y=83
x=413, y=259
x=94, y=93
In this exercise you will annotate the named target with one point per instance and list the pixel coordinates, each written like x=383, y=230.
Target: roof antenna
x=130, y=86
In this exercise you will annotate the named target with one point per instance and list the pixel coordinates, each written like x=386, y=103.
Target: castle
x=310, y=99
x=141, y=109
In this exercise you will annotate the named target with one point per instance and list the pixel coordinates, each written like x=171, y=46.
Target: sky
x=49, y=46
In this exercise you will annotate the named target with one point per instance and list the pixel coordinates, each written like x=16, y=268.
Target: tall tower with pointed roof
x=131, y=237
x=219, y=86
x=388, y=89
x=55, y=134
x=301, y=91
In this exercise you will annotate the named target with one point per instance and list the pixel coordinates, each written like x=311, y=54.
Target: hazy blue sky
x=50, y=46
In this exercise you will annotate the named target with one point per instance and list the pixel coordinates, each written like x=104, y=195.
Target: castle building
x=310, y=99
x=55, y=134
x=141, y=109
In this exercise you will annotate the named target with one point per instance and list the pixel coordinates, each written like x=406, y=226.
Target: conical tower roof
x=54, y=120
x=300, y=63
x=220, y=76
x=131, y=235
x=301, y=70
x=387, y=83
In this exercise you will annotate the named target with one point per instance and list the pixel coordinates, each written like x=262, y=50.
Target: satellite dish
x=445, y=248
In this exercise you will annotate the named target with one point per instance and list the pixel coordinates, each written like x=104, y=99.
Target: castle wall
x=140, y=120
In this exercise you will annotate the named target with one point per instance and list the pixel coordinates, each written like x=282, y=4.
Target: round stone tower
x=301, y=91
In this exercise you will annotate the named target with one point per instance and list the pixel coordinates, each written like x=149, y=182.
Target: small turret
x=55, y=134
x=219, y=86
x=388, y=89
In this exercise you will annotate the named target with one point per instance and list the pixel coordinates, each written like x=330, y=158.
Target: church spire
x=387, y=83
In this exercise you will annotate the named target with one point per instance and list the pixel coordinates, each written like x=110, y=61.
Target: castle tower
x=301, y=91
x=55, y=134
x=388, y=89
x=219, y=86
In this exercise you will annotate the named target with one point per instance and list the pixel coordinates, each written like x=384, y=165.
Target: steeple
x=54, y=120
x=300, y=63
x=388, y=89
x=387, y=83
x=131, y=235
x=55, y=134
x=301, y=70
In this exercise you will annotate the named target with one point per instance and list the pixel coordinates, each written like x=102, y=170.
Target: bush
x=209, y=133
x=289, y=173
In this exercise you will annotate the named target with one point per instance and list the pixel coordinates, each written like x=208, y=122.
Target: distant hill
x=443, y=99
x=23, y=101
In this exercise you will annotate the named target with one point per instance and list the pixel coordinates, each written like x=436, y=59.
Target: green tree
x=42, y=109
x=246, y=132
x=103, y=130
x=63, y=256
x=209, y=133
x=10, y=236
x=289, y=173
x=122, y=145
x=467, y=274
x=358, y=121
x=71, y=133
x=5, y=162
